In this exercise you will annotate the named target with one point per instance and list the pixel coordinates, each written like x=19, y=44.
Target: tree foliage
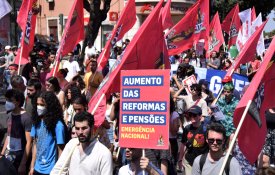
x=224, y=6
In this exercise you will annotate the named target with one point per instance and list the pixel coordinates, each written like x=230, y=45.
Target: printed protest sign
x=144, y=109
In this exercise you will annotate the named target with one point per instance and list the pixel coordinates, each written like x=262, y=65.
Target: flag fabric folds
x=143, y=52
x=245, y=31
x=215, y=39
x=73, y=32
x=5, y=8
x=249, y=49
x=26, y=19
x=264, y=100
x=126, y=21
x=231, y=25
x=255, y=24
x=166, y=16
x=192, y=27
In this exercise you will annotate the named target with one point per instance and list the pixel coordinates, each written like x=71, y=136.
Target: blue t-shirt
x=46, y=150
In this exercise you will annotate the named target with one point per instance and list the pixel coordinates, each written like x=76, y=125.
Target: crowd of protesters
x=49, y=130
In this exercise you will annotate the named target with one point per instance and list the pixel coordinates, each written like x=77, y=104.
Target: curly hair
x=78, y=79
x=54, y=111
x=75, y=93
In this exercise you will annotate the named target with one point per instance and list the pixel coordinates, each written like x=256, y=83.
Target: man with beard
x=211, y=163
x=33, y=90
x=85, y=155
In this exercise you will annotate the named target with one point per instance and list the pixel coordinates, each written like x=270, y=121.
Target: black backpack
x=226, y=168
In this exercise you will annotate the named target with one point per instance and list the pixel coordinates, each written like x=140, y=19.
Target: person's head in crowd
x=79, y=104
x=7, y=49
x=228, y=89
x=78, y=81
x=215, y=137
x=181, y=70
x=71, y=56
x=33, y=87
x=48, y=109
x=84, y=125
x=73, y=133
x=186, y=60
x=51, y=56
x=71, y=92
x=17, y=82
x=204, y=84
x=52, y=84
x=133, y=154
x=190, y=70
x=93, y=66
x=227, y=64
x=196, y=90
x=214, y=54
x=62, y=73
x=193, y=54
x=92, y=56
x=14, y=100
x=45, y=67
x=14, y=50
x=194, y=114
x=13, y=68
x=265, y=171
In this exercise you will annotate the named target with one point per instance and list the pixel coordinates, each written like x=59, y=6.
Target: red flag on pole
x=166, y=16
x=215, y=39
x=126, y=21
x=231, y=25
x=249, y=49
x=143, y=52
x=192, y=27
x=73, y=32
x=257, y=137
x=253, y=14
x=26, y=19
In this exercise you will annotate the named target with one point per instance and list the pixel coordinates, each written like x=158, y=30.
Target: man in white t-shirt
x=72, y=66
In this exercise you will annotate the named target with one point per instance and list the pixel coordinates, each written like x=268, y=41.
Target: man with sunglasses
x=213, y=160
x=193, y=140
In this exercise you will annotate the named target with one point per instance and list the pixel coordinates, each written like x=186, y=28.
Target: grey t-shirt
x=211, y=168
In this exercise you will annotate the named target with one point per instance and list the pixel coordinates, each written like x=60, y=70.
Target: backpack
x=226, y=168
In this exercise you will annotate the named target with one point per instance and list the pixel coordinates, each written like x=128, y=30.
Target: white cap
x=7, y=47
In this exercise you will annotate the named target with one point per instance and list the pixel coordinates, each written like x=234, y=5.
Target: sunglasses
x=212, y=141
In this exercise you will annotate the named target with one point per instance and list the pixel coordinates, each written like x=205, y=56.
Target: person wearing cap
x=193, y=141
x=9, y=56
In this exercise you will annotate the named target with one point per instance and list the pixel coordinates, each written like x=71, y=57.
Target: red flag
x=73, y=32
x=192, y=27
x=166, y=16
x=215, y=39
x=249, y=49
x=253, y=14
x=143, y=52
x=26, y=19
x=126, y=21
x=257, y=137
x=231, y=25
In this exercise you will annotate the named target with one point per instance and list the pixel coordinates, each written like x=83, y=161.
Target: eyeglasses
x=212, y=141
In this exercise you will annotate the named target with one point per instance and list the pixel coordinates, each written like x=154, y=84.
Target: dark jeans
x=14, y=157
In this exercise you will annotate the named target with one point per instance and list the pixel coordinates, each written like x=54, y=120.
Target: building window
x=53, y=29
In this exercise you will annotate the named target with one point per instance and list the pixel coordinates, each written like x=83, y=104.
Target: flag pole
x=97, y=104
x=235, y=137
x=143, y=155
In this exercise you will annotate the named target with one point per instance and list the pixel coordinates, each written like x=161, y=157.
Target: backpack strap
x=227, y=165
x=202, y=160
